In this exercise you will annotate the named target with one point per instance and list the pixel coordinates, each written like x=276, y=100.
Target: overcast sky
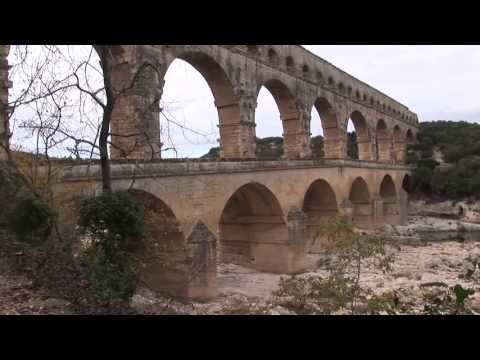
x=436, y=82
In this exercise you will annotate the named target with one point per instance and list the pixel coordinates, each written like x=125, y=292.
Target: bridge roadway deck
x=164, y=168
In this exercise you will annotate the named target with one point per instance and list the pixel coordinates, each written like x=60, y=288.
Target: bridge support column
x=183, y=268
x=297, y=145
x=5, y=84
x=298, y=238
x=378, y=211
x=335, y=141
x=346, y=211
x=399, y=151
x=364, y=149
x=384, y=149
x=296, y=136
x=202, y=283
x=237, y=129
x=135, y=123
x=403, y=207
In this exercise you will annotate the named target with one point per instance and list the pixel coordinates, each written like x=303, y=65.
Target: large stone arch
x=295, y=140
x=333, y=132
x=389, y=196
x=320, y=205
x=363, y=135
x=231, y=108
x=383, y=141
x=253, y=227
x=169, y=260
x=360, y=197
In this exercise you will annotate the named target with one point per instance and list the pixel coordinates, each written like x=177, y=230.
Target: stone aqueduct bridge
x=298, y=81
x=263, y=214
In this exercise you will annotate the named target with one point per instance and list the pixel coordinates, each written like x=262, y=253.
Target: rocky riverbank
x=434, y=252
x=415, y=269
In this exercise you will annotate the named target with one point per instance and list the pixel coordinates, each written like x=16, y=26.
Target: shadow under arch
x=407, y=183
x=389, y=196
x=334, y=147
x=165, y=248
x=360, y=198
x=320, y=205
x=364, y=142
x=293, y=147
x=253, y=231
x=409, y=138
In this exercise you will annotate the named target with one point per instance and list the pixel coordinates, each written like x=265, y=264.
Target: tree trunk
x=105, y=62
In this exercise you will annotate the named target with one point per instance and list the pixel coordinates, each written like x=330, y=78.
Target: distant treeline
x=271, y=148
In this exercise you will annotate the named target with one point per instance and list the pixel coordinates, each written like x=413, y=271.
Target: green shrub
x=422, y=179
x=112, y=278
x=10, y=186
x=114, y=221
x=115, y=224
x=30, y=219
x=448, y=301
x=340, y=290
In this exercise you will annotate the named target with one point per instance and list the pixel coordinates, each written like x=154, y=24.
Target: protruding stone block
x=203, y=267
x=378, y=211
x=346, y=211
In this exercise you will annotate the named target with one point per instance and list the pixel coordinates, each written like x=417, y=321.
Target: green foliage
x=269, y=148
x=313, y=295
x=459, y=143
x=9, y=190
x=352, y=145
x=213, y=154
x=456, y=139
x=447, y=301
x=460, y=181
x=422, y=179
x=114, y=223
x=26, y=216
x=30, y=219
x=112, y=277
x=245, y=308
x=317, y=145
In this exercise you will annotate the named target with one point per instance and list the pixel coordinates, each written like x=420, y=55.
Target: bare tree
x=67, y=99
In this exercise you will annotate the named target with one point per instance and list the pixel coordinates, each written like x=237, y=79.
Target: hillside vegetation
x=447, y=156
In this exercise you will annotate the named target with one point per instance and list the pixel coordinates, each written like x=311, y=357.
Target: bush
x=347, y=251
x=30, y=219
x=114, y=223
x=22, y=213
x=112, y=278
x=448, y=301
